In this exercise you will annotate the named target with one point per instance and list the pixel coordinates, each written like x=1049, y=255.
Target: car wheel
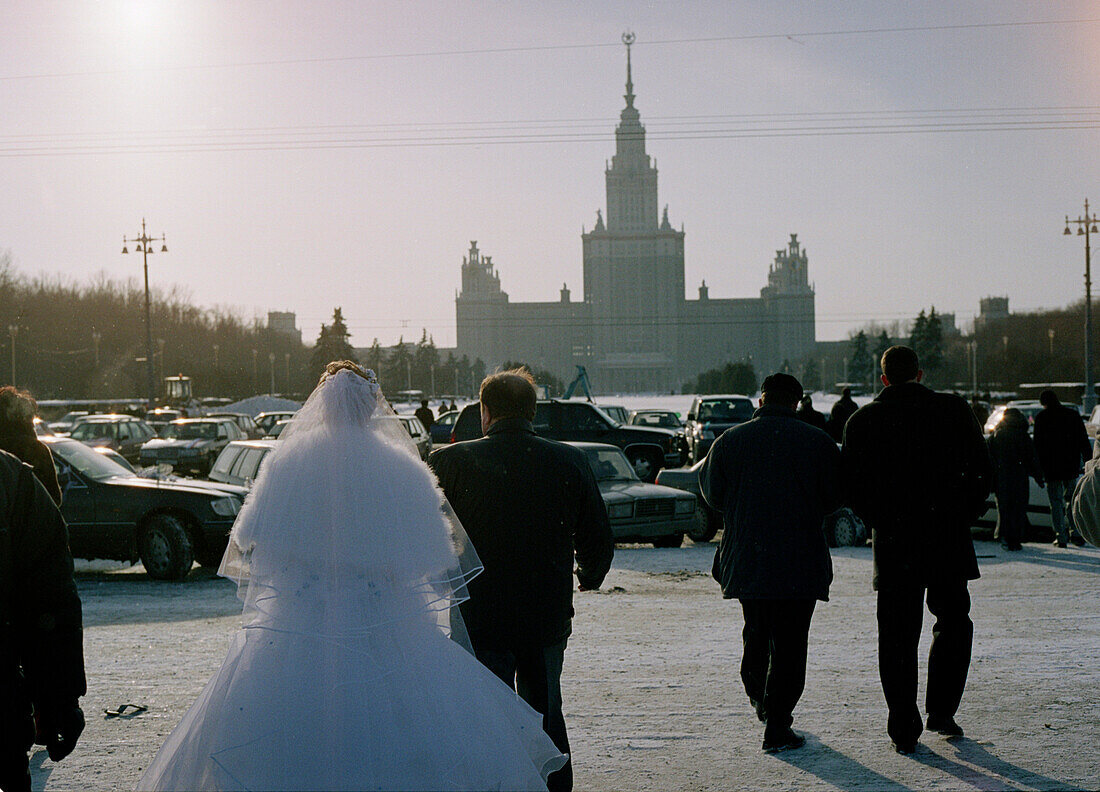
x=847, y=530
x=165, y=548
x=645, y=465
x=704, y=525
x=669, y=541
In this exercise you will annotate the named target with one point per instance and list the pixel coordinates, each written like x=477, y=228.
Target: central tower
x=633, y=267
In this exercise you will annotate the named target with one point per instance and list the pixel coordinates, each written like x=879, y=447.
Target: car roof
x=267, y=442
x=585, y=446
x=709, y=396
x=106, y=417
x=209, y=419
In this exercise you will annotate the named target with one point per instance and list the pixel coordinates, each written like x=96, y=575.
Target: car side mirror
x=691, y=416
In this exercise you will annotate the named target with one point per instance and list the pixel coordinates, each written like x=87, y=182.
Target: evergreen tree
x=811, y=377
x=919, y=333
x=332, y=344
x=398, y=369
x=931, y=356
x=859, y=360
x=425, y=363
x=376, y=357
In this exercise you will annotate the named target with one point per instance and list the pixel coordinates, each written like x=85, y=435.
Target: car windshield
x=92, y=430
x=725, y=410
x=610, y=465
x=190, y=431
x=87, y=462
x=667, y=420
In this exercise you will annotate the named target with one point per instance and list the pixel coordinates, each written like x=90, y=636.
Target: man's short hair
x=900, y=364
x=509, y=394
x=846, y=393
x=780, y=388
x=1049, y=398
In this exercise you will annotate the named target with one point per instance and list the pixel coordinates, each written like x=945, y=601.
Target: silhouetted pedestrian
x=17, y=436
x=808, y=414
x=1063, y=447
x=774, y=479
x=916, y=469
x=1013, y=457
x=842, y=410
x=41, y=652
x=425, y=414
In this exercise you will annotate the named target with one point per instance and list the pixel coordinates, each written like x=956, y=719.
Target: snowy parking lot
x=653, y=698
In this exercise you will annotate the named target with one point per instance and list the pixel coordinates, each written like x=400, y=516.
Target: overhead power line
x=557, y=47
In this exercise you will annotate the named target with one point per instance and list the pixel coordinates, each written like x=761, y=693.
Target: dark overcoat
x=41, y=651
x=774, y=479
x=1013, y=457
x=529, y=505
x=916, y=470
x=1061, y=442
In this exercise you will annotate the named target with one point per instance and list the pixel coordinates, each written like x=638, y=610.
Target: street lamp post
x=1086, y=225
x=286, y=357
x=972, y=346
x=13, y=331
x=255, y=372
x=271, y=360
x=143, y=245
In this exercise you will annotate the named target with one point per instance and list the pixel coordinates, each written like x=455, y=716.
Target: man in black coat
x=774, y=479
x=917, y=471
x=41, y=653
x=1063, y=448
x=425, y=414
x=844, y=408
x=529, y=506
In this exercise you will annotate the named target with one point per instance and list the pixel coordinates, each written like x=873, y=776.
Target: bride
x=352, y=669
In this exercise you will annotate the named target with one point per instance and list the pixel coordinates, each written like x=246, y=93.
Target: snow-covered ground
x=652, y=693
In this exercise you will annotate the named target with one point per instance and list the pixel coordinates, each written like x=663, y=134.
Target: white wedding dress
x=352, y=669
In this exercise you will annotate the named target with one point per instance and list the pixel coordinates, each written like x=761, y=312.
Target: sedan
x=113, y=513
x=638, y=512
x=191, y=444
x=420, y=437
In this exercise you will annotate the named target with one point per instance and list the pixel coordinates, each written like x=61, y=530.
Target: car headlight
x=226, y=507
x=619, y=511
x=685, y=506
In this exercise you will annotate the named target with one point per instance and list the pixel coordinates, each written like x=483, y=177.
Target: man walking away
x=917, y=471
x=529, y=506
x=843, y=409
x=808, y=414
x=424, y=413
x=774, y=479
x=1063, y=448
x=41, y=652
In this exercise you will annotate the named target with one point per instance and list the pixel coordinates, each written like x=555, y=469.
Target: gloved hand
x=61, y=728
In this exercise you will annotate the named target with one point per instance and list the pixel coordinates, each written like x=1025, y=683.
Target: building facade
x=633, y=328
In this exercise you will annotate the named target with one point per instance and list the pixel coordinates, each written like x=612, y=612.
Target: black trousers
x=900, y=616
x=14, y=770
x=773, y=665
x=534, y=672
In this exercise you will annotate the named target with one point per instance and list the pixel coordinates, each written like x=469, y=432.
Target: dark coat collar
x=510, y=425
x=906, y=391
x=774, y=411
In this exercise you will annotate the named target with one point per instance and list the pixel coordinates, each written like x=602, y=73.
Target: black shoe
x=1077, y=540
x=945, y=726
x=787, y=740
x=758, y=708
x=1058, y=543
x=905, y=748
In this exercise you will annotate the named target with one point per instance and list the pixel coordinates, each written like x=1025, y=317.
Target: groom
x=528, y=504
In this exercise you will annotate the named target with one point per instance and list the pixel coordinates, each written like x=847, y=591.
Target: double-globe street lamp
x=1086, y=225
x=144, y=246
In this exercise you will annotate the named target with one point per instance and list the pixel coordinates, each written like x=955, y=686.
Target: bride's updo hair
x=343, y=365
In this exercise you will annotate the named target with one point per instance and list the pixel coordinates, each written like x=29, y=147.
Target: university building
x=634, y=328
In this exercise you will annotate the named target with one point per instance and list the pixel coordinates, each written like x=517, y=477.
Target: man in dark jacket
x=843, y=409
x=41, y=656
x=810, y=415
x=425, y=414
x=1063, y=448
x=774, y=479
x=529, y=505
x=916, y=470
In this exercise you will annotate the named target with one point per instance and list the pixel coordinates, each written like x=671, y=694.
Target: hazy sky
x=303, y=155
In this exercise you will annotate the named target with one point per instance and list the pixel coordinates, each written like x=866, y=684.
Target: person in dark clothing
x=425, y=414
x=916, y=470
x=774, y=479
x=17, y=437
x=808, y=414
x=529, y=505
x=1013, y=457
x=41, y=653
x=1063, y=448
x=981, y=414
x=843, y=409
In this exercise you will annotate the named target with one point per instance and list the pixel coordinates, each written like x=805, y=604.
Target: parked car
x=41, y=427
x=638, y=512
x=113, y=513
x=276, y=431
x=123, y=433
x=1029, y=407
x=665, y=419
x=65, y=423
x=115, y=457
x=245, y=422
x=443, y=426
x=1038, y=515
x=266, y=420
x=618, y=414
x=162, y=416
x=709, y=416
x=648, y=449
x=239, y=462
x=191, y=445
x=418, y=433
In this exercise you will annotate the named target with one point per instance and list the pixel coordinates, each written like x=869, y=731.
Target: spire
x=628, y=39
